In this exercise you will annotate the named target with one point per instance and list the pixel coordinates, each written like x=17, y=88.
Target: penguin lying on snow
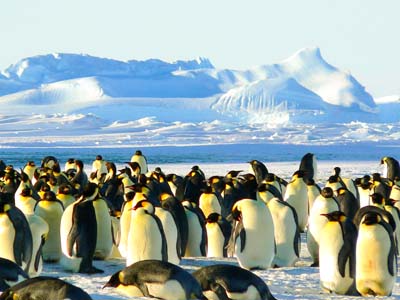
x=10, y=273
x=156, y=279
x=225, y=282
x=43, y=287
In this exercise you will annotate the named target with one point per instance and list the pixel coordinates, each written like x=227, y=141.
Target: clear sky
x=359, y=36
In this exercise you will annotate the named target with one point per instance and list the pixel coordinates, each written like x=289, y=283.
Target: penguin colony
x=72, y=216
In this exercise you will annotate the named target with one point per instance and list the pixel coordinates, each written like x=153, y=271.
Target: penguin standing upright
x=259, y=169
x=15, y=235
x=348, y=203
x=141, y=160
x=252, y=239
x=308, y=165
x=104, y=239
x=376, y=266
x=286, y=232
x=364, y=192
x=78, y=233
x=171, y=234
x=146, y=238
x=218, y=233
x=297, y=196
x=324, y=204
x=51, y=210
x=209, y=202
x=392, y=168
x=337, y=254
x=197, y=237
x=39, y=229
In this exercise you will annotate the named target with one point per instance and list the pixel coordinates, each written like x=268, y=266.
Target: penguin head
x=90, y=191
x=79, y=164
x=49, y=196
x=213, y=217
x=377, y=199
x=138, y=152
x=371, y=218
x=335, y=216
x=99, y=157
x=115, y=280
x=64, y=189
x=341, y=191
x=145, y=204
x=376, y=177
x=309, y=181
x=327, y=192
x=333, y=179
x=26, y=192
x=336, y=171
x=233, y=173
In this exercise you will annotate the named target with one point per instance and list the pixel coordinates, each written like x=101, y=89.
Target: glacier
x=77, y=99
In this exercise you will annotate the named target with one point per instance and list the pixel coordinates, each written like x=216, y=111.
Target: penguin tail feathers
x=71, y=264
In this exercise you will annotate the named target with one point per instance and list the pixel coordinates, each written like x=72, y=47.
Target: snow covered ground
x=299, y=282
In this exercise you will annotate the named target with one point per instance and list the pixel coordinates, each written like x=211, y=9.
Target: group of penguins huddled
x=69, y=216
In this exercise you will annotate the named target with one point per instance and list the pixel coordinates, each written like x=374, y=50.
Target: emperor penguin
x=64, y=194
x=337, y=254
x=171, y=234
x=104, y=239
x=252, y=240
x=125, y=222
x=348, y=203
x=156, y=279
x=313, y=191
x=141, y=160
x=324, y=204
x=265, y=192
x=209, y=202
x=259, y=169
x=99, y=167
x=44, y=287
x=174, y=206
x=78, y=233
x=10, y=274
x=30, y=169
x=364, y=190
x=25, y=202
x=224, y=281
x=297, y=196
x=174, y=181
x=218, y=233
x=286, y=233
x=70, y=164
x=197, y=237
x=49, y=161
x=39, y=229
x=146, y=238
x=391, y=167
x=376, y=266
x=51, y=210
x=308, y=165
x=15, y=235
x=276, y=181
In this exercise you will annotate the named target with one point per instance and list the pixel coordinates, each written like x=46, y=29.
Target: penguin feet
x=90, y=270
x=315, y=264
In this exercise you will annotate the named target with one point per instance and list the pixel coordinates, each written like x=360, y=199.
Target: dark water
x=207, y=154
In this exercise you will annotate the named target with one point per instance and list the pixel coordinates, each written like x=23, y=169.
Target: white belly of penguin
x=250, y=294
x=195, y=235
x=215, y=240
x=330, y=244
x=144, y=241
x=171, y=234
x=7, y=236
x=104, y=240
x=169, y=290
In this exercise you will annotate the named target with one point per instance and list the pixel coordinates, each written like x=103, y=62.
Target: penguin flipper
x=39, y=254
x=236, y=232
x=219, y=290
x=343, y=257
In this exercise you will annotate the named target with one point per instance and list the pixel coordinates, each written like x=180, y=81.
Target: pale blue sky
x=360, y=36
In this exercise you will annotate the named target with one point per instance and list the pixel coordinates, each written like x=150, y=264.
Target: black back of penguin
x=223, y=278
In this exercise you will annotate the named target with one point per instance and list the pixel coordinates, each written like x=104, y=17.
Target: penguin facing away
x=223, y=281
x=44, y=287
x=392, y=167
x=197, y=237
x=156, y=279
x=308, y=165
x=376, y=266
x=337, y=254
